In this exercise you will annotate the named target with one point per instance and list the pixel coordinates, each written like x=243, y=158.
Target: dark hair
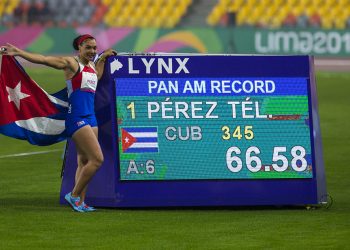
x=80, y=39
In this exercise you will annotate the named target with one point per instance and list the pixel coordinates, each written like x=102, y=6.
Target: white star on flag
x=126, y=139
x=15, y=95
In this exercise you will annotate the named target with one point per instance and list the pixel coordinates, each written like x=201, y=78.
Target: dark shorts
x=75, y=123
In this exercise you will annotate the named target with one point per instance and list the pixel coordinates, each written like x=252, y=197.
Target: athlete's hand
x=10, y=50
x=109, y=52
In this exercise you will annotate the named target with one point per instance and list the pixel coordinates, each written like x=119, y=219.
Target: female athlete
x=81, y=76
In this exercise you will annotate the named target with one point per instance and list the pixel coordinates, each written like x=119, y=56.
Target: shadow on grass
x=223, y=208
x=46, y=202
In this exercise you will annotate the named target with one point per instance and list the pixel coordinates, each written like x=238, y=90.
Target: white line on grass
x=325, y=62
x=30, y=153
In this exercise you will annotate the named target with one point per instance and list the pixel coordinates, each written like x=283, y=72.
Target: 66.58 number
x=253, y=162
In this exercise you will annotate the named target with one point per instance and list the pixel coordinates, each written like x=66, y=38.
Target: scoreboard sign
x=213, y=128
x=206, y=130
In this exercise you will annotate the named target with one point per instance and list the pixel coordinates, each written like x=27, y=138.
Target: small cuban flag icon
x=139, y=139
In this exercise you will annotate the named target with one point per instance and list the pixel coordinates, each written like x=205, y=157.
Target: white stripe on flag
x=144, y=134
x=57, y=100
x=54, y=99
x=144, y=145
x=43, y=125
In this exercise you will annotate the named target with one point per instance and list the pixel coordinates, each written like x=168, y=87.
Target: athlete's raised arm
x=57, y=62
x=101, y=61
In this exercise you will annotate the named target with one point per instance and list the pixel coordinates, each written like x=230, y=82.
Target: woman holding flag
x=81, y=76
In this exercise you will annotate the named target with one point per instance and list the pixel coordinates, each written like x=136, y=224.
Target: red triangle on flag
x=30, y=101
x=127, y=140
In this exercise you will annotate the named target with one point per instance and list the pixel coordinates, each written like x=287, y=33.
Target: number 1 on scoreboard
x=131, y=106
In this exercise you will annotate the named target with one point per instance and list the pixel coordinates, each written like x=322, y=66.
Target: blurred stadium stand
x=145, y=13
x=47, y=12
x=325, y=14
x=280, y=13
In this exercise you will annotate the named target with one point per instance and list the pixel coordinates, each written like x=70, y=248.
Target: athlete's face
x=88, y=49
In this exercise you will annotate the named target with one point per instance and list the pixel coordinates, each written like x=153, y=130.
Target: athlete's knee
x=97, y=160
x=100, y=159
x=82, y=161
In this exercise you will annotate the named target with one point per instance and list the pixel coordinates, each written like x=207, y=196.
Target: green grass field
x=31, y=217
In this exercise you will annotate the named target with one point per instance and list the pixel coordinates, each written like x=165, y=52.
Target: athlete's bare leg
x=90, y=151
x=82, y=161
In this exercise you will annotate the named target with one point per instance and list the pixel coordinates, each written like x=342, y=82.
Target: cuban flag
x=140, y=140
x=27, y=112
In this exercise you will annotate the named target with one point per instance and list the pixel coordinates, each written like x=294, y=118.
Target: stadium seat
x=107, y=2
x=170, y=22
x=165, y=11
x=215, y=15
x=145, y=21
x=298, y=10
x=157, y=22
x=2, y=7
x=139, y=12
x=235, y=5
x=340, y=23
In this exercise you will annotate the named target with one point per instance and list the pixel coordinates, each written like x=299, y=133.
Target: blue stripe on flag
x=141, y=129
x=13, y=130
x=141, y=150
x=146, y=139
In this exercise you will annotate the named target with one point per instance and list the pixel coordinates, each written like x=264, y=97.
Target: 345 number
x=238, y=133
